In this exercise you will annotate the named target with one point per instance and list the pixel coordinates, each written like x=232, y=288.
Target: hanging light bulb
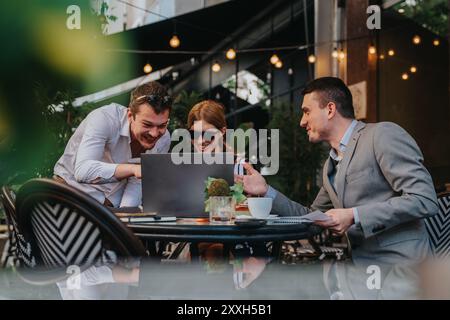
x=372, y=49
x=413, y=69
x=405, y=76
x=148, y=68
x=274, y=59
x=216, y=67
x=290, y=71
x=341, y=55
x=391, y=53
x=416, y=40
x=436, y=42
x=381, y=56
x=312, y=58
x=174, y=41
x=335, y=53
x=231, y=54
x=279, y=64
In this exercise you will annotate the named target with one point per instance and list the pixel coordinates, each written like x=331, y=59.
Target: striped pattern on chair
x=21, y=248
x=64, y=236
x=67, y=227
x=438, y=228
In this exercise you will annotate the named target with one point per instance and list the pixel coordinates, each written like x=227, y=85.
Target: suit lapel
x=328, y=167
x=348, y=155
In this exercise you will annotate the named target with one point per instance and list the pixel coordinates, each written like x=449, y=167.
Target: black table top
x=191, y=230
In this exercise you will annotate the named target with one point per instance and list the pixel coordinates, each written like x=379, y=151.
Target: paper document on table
x=316, y=216
x=147, y=219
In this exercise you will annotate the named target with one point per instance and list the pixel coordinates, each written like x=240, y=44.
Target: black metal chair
x=8, y=198
x=438, y=227
x=19, y=250
x=66, y=227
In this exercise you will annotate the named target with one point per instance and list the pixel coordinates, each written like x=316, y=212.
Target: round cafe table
x=201, y=230
x=192, y=229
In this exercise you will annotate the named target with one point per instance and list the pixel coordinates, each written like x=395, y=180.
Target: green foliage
x=431, y=14
x=300, y=160
x=237, y=192
x=181, y=107
x=216, y=187
x=59, y=118
x=103, y=17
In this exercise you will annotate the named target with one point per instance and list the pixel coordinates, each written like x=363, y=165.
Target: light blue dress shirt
x=272, y=193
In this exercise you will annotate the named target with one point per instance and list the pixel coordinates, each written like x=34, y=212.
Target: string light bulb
x=335, y=53
x=436, y=42
x=405, y=76
x=216, y=67
x=148, y=68
x=381, y=56
x=341, y=55
x=372, y=49
x=174, y=41
x=413, y=69
x=279, y=64
x=231, y=54
x=274, y=59
x=312, y=58
x=416, y=40
x=391, y=53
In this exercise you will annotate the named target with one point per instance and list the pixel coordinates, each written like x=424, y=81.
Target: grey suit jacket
x=382, y=175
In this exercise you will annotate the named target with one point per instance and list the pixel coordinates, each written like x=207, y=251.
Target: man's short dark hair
x=331, y=89
x=152, y=93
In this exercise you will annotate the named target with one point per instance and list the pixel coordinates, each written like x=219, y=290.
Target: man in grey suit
x=375, y=186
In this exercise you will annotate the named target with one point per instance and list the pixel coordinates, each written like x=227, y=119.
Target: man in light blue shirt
x=102, y=157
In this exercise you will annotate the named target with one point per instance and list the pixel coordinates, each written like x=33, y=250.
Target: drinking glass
x=221, y=210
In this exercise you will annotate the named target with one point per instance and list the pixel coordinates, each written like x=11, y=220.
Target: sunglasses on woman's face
x=206, y=137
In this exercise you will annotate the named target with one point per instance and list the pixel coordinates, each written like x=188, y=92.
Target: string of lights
x=231, y=53
x=274, y=59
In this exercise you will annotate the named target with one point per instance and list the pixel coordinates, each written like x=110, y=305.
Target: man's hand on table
x=340, y=220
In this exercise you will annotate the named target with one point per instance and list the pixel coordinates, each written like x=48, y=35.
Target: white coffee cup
x=260, y=207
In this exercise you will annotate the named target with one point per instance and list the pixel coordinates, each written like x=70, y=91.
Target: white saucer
x=270, y=217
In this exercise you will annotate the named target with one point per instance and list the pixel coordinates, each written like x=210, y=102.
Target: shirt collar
x=344, y=141
x=125, y=125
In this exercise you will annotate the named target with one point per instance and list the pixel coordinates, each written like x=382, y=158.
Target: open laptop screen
x=171, y=189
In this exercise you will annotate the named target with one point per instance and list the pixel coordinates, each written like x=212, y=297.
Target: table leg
x=195, y=254
x=226, y=251
x=276, y=250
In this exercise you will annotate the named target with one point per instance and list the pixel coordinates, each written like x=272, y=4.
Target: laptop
x=170, y=189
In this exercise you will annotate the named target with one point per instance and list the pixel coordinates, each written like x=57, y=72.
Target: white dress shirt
x=100, y=143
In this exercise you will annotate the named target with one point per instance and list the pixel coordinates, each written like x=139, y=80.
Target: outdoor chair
x=66, y=227
x=438, y=227
x=8, y=198
x=19, y=249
